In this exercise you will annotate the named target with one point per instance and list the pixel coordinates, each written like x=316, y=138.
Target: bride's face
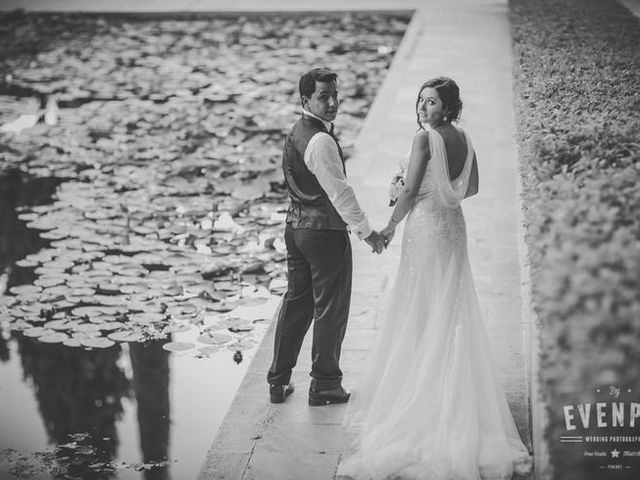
x=430, y=107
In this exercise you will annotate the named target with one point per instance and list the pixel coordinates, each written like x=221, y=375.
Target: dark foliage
x=577, y=78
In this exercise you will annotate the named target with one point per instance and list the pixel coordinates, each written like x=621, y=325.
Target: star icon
x=615, y=453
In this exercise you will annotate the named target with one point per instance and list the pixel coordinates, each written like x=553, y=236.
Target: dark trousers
x=319, y=264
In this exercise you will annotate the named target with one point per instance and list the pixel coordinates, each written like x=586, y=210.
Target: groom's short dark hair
x=308, y=80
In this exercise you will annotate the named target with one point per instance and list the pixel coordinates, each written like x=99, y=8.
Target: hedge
x=577, y=93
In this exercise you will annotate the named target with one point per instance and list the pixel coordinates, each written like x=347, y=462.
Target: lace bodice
x=427, y=185
x=436, y=220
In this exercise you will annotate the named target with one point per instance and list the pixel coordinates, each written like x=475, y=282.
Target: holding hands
x=388, y=232
x=379, y=241
x=376, y=241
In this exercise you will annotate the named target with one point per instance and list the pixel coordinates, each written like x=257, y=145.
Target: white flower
x=396, y=186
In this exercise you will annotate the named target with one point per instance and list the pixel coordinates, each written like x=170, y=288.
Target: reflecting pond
x=132, y=410
x=129, y=411
x=141, y=219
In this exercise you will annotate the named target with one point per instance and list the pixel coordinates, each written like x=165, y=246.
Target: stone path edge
x=244, y=423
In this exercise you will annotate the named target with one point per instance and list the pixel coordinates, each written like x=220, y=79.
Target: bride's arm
x=418, y=159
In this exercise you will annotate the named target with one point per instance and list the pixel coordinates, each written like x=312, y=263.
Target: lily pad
x=209, y=350
x=58, y=324
x=181, y=310
x=49, y=281
x=222, y=307
x=237, y=324
x=110, y=326
x=146, y=317
x=126, y=336
x=134, y=288
x=82, y=292
x=25, y=290
x=180, y=328
x=97, y=342
x=72, y=342
x=86, y=327
x=245, y=344
x=31, y=308
x=252, y=301
x=27, y=263
x=92, y=311
x=57, y=337
x=178, y=346
x=37, y=332
x=215, y=338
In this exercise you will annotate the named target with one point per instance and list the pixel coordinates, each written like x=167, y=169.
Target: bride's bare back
x=456, y=147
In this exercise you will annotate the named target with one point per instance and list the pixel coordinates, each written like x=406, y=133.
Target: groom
x=322, y=205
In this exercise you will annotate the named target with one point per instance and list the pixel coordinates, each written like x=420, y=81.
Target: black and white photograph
x=320, y=240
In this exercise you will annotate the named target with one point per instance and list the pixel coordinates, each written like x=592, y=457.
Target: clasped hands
x=379, y=241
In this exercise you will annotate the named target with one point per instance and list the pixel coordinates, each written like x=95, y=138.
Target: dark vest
x=310, y=206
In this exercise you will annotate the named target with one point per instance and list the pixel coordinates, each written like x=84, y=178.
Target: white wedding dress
x=430, y=406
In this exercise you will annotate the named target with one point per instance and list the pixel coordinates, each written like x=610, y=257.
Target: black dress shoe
x=279, y=392
x=318, y=398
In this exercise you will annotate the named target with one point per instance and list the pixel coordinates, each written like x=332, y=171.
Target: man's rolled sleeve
x=363, y=229
x=323, y=160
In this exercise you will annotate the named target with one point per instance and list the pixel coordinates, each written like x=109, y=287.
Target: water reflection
x=18, y=189
x=4, y=349
x=151, y=384
x=80, y=394
x=77, y=391
x=132, y=411
x=112, y=414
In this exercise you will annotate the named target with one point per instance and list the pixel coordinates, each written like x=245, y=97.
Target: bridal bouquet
x=396, y=186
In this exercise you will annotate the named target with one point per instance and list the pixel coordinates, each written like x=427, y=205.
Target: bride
x=429, y=405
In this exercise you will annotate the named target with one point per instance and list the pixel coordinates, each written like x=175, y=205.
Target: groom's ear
x=305, y=101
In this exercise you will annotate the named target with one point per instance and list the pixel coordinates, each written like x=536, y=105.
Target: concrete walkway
x=468, y=40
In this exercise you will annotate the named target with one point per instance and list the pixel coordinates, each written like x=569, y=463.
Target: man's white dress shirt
x=323, y=160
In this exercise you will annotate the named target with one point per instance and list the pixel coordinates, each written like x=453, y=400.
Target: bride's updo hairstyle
x=449, y=94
